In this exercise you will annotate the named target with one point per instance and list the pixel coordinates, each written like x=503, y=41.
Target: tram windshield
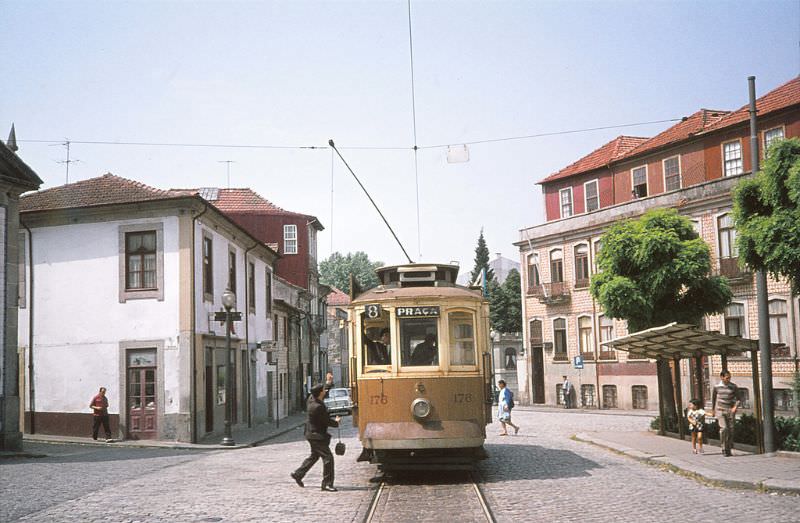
x=419, y=342
x=377, y=340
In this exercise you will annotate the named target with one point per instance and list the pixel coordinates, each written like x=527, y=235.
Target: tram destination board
x=418, y=311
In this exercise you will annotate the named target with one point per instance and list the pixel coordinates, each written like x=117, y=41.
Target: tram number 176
x=460, y=397
x=378, y=399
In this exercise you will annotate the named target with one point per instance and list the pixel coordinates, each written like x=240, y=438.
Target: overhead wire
x=414, y=126
x=354, y=147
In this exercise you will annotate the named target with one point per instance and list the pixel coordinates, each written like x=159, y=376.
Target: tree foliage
x=505, y=304
x=481, y=262
x=336, y=270
x=655, y=270
x=766, y=211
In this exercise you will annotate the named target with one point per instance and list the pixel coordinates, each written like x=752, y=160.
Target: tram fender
x=406, y=430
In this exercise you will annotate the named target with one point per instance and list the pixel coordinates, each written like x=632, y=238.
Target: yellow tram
x=420, y=368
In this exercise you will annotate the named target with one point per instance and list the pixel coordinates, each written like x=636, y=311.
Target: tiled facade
x=684, y=168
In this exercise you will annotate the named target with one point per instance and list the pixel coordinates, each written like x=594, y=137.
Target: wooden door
x=209, y=397
x=537, y=373
x=142, y=403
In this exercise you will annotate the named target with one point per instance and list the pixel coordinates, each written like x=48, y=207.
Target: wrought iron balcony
x=729, y=267
x=554, y=293
x=318, y=323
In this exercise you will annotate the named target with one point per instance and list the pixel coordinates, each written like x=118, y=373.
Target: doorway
x=141, y=401
x=209, y=397
x=537, y=373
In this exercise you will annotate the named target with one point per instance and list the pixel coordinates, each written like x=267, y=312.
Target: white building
x=15, y=178
x=121, y=285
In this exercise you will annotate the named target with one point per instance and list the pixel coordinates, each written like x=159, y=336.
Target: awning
x=678, y=340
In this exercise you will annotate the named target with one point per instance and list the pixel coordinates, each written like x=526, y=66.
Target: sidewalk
x=776, y=473
x=243, y=437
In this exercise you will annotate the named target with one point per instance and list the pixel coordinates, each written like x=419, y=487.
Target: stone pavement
x=779, y=472
x=243, y=437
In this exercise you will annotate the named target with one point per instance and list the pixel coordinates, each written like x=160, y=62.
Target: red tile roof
x=337, y=297
x=598, y=158
x=102, y=190
x=779, y=98
x=702, y=122
x=688, y=127
x=242, y=201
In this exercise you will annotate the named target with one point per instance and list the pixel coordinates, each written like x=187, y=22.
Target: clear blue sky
x=299, y=73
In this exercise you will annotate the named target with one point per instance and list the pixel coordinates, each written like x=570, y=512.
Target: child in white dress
x=697, y=420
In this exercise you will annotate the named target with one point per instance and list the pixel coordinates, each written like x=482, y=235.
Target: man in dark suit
x=316, y=433
x=378, y=351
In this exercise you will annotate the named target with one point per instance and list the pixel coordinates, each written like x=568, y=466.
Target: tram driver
x=378, y=351
x=425, y=353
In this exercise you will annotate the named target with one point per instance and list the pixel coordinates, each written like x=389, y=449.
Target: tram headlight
x=420, y=408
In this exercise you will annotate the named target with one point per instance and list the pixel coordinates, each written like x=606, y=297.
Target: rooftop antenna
x=330, y=142
x=229, y=162
x=66, y=143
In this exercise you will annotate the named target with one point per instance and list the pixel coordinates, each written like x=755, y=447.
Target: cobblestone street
x=538, y=475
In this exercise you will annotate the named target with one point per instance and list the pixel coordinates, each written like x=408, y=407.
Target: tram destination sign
x=421, y=311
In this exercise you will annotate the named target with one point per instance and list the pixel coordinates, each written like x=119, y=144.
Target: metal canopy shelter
x=675, y=341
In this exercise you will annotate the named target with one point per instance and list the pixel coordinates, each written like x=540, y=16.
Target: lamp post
x=228, y=301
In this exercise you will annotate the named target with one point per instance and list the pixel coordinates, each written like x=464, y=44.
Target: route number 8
x=373, y=311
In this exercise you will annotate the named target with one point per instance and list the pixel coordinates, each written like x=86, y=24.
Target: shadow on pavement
x=72, y=453
x=541, y=463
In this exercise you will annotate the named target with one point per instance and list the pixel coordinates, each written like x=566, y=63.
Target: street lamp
x=228, y=301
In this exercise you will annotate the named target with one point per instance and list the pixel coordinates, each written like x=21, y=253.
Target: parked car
x=338, y=401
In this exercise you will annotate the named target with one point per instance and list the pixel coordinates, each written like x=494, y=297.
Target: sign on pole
x=577, y=362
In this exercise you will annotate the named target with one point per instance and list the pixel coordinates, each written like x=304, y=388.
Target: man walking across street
x=99, y=406
x=566, y=388
x=725, y=399
x=318, y=421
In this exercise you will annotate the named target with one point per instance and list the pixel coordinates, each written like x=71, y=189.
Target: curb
x=158, y=445
x=706, y=475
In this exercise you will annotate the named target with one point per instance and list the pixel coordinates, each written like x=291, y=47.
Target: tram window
x=462, y=339
x=419, y=343
x=376, y=340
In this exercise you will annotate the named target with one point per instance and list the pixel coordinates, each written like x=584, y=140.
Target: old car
x=338, y=401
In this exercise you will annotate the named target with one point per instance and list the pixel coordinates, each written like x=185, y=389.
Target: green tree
x=766, y=210
x=505, y=305
x=336, y=270
x=481, y=262
x=655, y=270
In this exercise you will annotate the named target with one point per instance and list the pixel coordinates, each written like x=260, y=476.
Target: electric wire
x=353, y=147
x=414, y=126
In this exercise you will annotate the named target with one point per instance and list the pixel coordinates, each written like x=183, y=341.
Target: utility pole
x=764, y=344
x=228, y=162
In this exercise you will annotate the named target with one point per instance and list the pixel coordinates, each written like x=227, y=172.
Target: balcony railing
x=535, y=290
x=552, y=293
x=608, y=355
x=729, y=267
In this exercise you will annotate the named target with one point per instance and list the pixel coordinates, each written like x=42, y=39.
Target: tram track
x=405, y=497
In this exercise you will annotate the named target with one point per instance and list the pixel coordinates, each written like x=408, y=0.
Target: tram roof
x=381, y=293
x=677, y=340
